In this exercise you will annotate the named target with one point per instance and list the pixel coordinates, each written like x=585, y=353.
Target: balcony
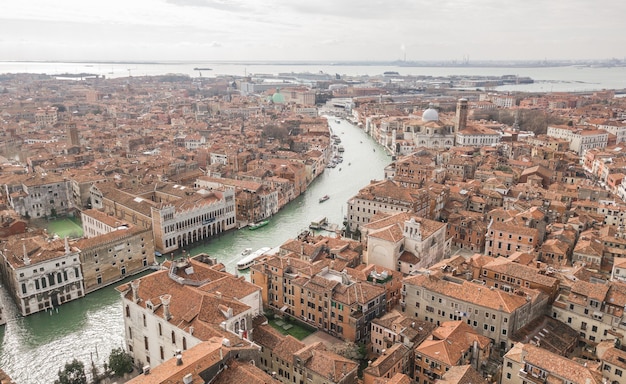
x=402, y=303
x=530, y=377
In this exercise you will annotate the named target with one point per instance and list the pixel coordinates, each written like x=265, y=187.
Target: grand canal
x=34, y=348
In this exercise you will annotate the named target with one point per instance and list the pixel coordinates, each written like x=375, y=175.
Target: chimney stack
x=135, y=287
x=26, y=258
x=179, y=357
x=165, y=300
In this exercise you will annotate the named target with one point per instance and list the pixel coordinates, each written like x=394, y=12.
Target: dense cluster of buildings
x=485, y=253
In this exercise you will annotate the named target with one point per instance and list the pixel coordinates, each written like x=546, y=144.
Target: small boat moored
x=324, y=198
x=248, y=261
x=258, y=225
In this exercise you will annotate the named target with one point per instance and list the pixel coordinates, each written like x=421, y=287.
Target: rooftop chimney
x=165, y=300
x=179, y=357
x=135, y=287
x=26, y=258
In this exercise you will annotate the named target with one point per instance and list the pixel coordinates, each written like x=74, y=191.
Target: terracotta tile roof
x=120, y=234
x=238, y=372
x=469, y=292
x=104, y=218
x=326, y=363
x=384, y=363
x=266, y=336
x=505, y=266
x=559, y=366
x=38, y=249
x=593, y=291
x=358, y=292
x=189, y=306
x=230, y=286
x=287, y=348
x=462, y=374
x=398, y=378
x=195, y=360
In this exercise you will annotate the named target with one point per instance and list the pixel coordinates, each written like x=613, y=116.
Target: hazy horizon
x=320, y=31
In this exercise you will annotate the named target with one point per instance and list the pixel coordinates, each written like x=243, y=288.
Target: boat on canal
x=258, y=225
x=318, y=223
x=248, y=261
x=324, y=198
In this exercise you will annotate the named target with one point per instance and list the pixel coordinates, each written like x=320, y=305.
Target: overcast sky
x=325, y=30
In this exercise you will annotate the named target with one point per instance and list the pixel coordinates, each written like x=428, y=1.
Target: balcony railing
x=530, y=377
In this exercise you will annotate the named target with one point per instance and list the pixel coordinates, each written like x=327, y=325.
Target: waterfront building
x=491, y=312
x=292, y=361
x=3, y=318
x=386, y=196
x=183, y=305
x=405, y=242
x=40, y=273
x=178, y=215
x=254, y=201
x=109, y=257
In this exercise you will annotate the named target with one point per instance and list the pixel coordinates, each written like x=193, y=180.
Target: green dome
x=278, y=98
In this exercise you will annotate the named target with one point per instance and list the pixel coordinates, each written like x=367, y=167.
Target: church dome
x=430, y=114
x=278, y=98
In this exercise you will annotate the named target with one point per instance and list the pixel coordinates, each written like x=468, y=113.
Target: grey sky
x=333, y=30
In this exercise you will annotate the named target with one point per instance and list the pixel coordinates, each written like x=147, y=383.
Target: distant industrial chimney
x=165, y=300
x=461, y=115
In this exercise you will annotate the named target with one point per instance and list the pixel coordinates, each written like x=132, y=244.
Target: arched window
x=173, y=338
x=184, y=344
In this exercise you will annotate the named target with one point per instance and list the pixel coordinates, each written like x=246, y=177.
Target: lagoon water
x=547, y=79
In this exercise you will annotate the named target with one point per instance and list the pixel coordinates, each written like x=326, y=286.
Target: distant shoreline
x=434, y=63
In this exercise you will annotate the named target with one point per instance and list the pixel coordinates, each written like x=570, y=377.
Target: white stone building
x=40, y=274
x=178, y=308
x=405, y=242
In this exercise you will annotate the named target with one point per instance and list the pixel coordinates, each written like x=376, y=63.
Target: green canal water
x=34, y=348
